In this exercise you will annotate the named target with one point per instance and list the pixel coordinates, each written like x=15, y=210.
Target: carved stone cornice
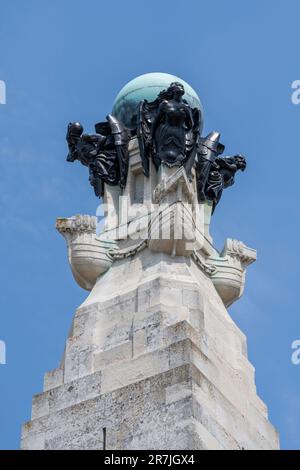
x=87, y=254
x=77, y=224
x=230, y=269
x=238, y=251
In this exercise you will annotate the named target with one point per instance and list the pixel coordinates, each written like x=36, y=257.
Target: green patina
x=148, y=86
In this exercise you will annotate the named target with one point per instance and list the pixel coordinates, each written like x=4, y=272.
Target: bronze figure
x=168, y=130
x=104, y=153
x=214, y=173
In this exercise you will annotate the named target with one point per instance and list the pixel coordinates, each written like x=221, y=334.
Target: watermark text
x=2, y=352
x=295, y=358
x=2, y=92
x=295, y=96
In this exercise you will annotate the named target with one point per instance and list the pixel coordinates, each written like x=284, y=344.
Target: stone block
x=40, y=405
x=53, y=379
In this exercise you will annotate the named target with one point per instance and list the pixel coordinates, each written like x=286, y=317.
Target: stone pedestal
x=153, y=359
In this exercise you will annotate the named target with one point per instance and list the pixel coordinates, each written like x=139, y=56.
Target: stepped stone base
x=153, y=361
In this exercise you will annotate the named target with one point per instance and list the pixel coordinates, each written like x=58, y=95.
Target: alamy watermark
x=2, y=92
x=2, y=343
x=295, y=96
x=2, y=352
x=295, y=358
x=181, y=221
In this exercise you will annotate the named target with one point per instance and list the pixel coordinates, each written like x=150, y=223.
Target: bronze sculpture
x=168, y=132
x=214, y=173
x=104, y=153
x=168, y=129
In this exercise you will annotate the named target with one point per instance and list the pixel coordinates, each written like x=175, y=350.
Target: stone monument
x=153, y=359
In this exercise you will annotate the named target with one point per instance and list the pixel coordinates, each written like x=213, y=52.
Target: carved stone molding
x=239, y=252
x=127, y=252
x=87, y=254
x=230, y=269
x=208, y=269
x=76, y=224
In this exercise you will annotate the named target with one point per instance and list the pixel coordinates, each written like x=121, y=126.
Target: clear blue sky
x=66, y=60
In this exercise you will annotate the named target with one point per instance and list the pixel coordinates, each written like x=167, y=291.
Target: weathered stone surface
x=177, y=409
x=156, y=360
